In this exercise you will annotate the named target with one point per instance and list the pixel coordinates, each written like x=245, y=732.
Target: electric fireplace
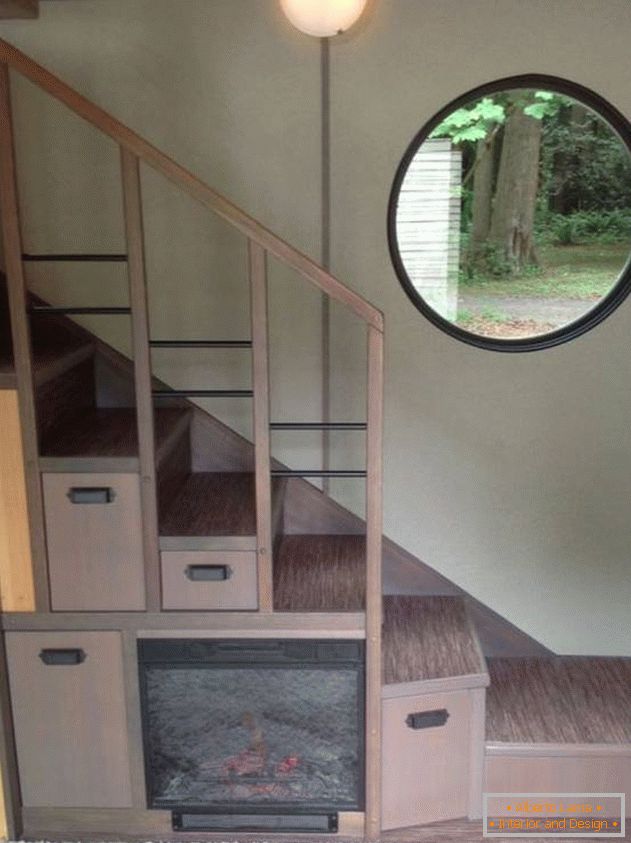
x=253, y=734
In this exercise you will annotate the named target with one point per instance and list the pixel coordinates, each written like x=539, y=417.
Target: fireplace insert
x=266, y=729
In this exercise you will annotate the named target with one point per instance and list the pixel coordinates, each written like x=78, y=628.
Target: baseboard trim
x=557, y=750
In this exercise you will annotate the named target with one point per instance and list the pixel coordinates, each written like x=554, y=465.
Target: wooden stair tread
x=423, y=637
x=559, y=699
x=428, y=638
x=110, y=432
x=320, y=573
x=209, y=504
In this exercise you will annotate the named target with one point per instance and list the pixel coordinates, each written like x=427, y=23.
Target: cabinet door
x=94, y=534
x=16, y=569
x=69, y=718
x=425, y=767
x=212, y=580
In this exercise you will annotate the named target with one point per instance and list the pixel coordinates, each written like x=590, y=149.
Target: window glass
x=510, y=218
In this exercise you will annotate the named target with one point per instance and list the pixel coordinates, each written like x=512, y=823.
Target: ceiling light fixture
x=323, y=18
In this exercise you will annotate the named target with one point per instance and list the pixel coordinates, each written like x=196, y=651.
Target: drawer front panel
x=69, y=716
x=425, y=765
x=94, y=534
x=215, y=579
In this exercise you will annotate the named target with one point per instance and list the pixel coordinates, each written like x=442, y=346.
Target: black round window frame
x=572, y=330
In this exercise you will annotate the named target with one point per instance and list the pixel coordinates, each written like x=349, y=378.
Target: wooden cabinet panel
x=209, y=580
x=540, y=768
x=425, y=770
x=16, y=572
x=69, y=719
x=94, y=534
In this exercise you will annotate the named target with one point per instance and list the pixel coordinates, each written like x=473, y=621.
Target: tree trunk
x=513, y=217
x=565, y=197
x=482, y=194
x=561, y=162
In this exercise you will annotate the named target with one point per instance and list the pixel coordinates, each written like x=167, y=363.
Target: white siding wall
x=428, y=224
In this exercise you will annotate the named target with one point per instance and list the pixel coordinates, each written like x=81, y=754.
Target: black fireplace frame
x=217, y=653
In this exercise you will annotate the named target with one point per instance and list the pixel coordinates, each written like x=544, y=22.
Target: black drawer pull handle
x=62, y=657
x=427, y=719
x=208, y=573
x=91, y=494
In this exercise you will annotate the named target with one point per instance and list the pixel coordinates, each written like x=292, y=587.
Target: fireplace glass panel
x=267, y=724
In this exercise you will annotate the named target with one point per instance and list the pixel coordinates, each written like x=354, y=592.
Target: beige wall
x=508, y=473
x=231, y=91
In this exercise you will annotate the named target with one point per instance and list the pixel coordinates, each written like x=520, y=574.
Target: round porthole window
x=510, y=215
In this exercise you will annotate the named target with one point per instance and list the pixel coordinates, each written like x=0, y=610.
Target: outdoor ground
x=569, y=281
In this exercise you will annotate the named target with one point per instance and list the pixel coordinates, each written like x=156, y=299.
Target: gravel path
x=555, y=311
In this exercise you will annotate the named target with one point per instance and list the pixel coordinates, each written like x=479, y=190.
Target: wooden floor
x=209, y=504
x=559, y=699
x=459, y=830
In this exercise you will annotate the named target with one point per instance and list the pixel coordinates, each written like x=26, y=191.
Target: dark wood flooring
x=427, y=638
x=560, y=699
x=209, y=504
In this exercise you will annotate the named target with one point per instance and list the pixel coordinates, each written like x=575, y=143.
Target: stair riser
x=537, y=769
x=175, y=467
x=64, y=396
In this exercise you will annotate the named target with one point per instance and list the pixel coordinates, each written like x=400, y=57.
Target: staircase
x=149, y=517
x=136, y=461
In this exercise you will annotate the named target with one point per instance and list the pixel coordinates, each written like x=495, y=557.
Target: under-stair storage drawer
x=94, y=535
x=214, y=579
x=69, y=717
x=425, y=758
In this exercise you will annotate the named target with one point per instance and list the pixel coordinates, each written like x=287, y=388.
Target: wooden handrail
x=189, y=183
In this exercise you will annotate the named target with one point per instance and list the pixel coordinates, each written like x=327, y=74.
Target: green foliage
x=466, y=204
x=584, y=164
x=586, y=272
x=473, y=123
x=492, y=314
x=466, y=317
x=489, y=260
x=583, y=227
x=546, y=104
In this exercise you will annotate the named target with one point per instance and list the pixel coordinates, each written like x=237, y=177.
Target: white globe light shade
x=323, y=18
